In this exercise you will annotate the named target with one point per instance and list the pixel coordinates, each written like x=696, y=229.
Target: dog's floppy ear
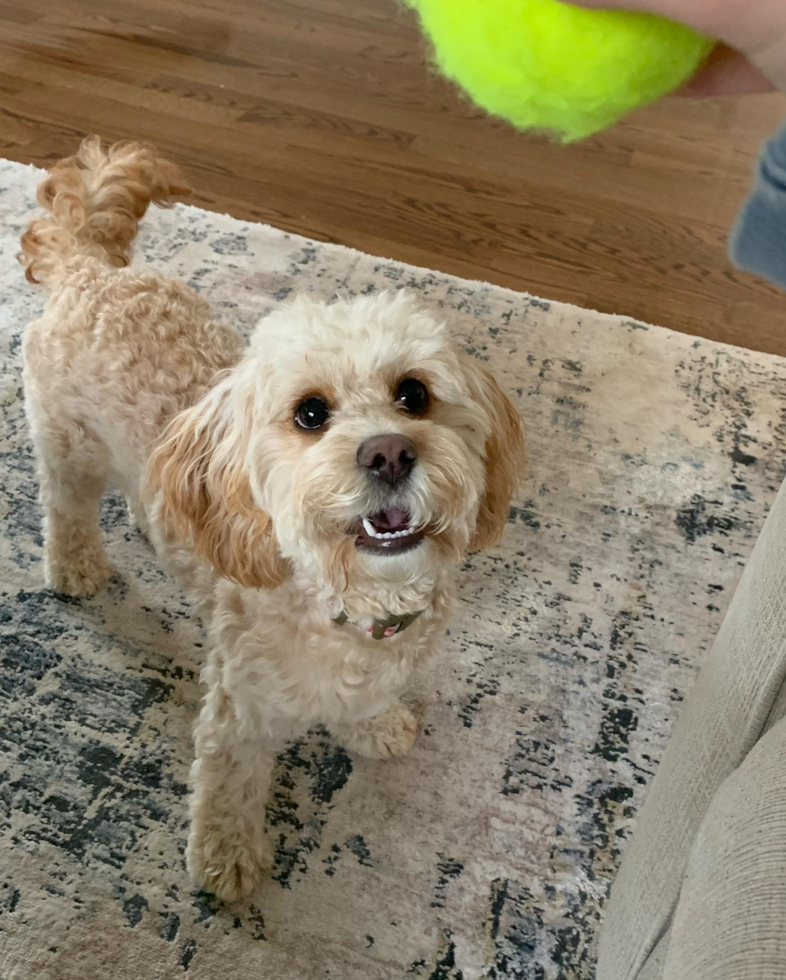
x=505, y=455
x=200, y=468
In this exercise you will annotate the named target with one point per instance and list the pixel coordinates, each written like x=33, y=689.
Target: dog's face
x=354, y=446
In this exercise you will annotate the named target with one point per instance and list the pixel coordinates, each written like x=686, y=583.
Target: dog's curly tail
x=95, y=201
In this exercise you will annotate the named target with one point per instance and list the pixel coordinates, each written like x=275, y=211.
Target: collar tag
x=382, y=629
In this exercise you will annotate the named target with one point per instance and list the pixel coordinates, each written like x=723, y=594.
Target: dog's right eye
x=313, y=413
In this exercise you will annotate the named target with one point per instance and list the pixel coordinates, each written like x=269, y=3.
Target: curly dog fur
x=295, y=538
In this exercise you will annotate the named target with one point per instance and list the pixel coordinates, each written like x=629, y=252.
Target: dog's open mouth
x=387, y=533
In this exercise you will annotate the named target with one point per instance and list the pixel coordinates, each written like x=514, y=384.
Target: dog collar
x=382, y=629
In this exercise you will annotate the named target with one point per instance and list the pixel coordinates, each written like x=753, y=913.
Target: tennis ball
x=547, y=65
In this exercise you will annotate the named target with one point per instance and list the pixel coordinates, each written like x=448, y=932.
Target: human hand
x=751, y=55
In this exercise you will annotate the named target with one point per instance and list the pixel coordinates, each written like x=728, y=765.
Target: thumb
x=695, y=15
x=616, y=4
x=727, y=72
x=760, y=34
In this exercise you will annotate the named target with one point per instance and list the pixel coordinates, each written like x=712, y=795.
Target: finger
x=706, y=16
x=666, y=8
x=726, y=72
x=615, y=4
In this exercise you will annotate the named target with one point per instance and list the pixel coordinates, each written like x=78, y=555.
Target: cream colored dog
x=315, y=490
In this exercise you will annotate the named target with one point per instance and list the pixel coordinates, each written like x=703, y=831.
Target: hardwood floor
x=321, y=117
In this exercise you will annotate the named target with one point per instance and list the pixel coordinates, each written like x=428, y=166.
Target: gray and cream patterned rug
x=486, y=853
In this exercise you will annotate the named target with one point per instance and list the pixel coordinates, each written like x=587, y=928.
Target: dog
x=314, y=491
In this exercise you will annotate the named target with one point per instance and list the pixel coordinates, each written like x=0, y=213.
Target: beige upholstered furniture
x=701, y=894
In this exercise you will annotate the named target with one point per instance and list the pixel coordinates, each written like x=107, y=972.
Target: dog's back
x=116, y=354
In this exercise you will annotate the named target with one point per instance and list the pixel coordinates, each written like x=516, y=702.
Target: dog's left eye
x=313, y=413
x=412, y=395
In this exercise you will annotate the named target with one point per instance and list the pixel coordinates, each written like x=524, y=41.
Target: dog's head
x=354, y=447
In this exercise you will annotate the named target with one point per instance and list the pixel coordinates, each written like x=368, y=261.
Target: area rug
x=489, y=850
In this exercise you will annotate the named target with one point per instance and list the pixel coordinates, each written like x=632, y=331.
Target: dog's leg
x=385, y=735
x=72, y=475
x=228, y=851
x=137, y=519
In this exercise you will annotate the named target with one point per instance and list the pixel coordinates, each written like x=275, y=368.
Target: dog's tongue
x=391, y=520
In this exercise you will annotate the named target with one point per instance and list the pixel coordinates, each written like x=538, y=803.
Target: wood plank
x=322, y=117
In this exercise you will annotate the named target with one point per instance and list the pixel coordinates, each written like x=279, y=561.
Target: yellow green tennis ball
x=544, y=64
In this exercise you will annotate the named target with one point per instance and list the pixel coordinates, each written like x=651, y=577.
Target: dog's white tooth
x=368, y=527
x=406, y=531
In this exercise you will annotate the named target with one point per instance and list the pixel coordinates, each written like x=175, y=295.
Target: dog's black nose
x=390, y=458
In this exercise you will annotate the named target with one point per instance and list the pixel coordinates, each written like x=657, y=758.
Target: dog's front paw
x=229, y=869
x=384, y=736
x=79, y=575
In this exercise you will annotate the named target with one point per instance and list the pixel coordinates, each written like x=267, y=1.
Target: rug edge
x=616, y=319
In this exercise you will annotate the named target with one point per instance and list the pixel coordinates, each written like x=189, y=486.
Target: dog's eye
x=412, y=395
x=313, y=413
